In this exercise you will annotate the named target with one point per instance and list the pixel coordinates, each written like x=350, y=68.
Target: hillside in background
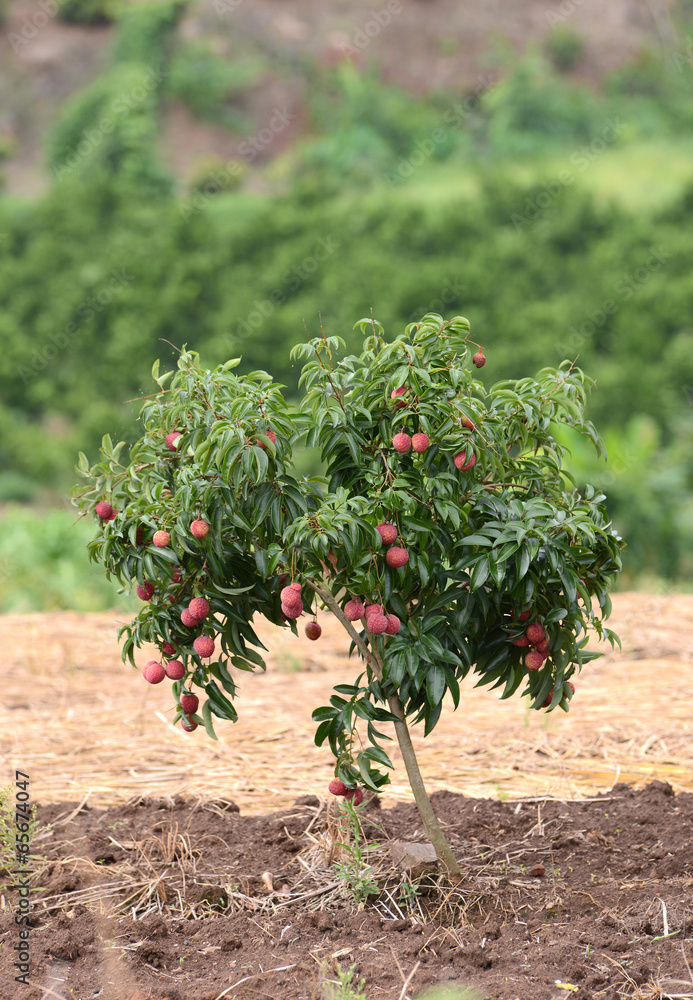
x=425, y=46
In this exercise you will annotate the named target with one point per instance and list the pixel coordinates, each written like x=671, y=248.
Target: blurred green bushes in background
x=44, y=567
x=118, y=264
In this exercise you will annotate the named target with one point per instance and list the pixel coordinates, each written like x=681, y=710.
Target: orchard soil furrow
x=177, y=868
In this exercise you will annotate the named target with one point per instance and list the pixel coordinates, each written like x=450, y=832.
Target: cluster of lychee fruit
x=419, y=442
x=354, y=795
x=395, y=556
x=292, y=607
x=378, y=621
x=154, y=672
x=534, y=637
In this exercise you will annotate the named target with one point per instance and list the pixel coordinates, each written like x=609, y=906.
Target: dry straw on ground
x=85, y=726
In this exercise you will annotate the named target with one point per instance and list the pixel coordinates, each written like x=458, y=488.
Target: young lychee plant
x=511, y=536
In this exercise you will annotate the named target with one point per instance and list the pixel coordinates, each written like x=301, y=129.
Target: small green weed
x=346, y=985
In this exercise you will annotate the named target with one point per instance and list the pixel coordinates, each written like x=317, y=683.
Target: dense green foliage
x=117, y=259
x=488, y=523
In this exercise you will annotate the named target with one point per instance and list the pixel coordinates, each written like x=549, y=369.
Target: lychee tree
x=445, y=535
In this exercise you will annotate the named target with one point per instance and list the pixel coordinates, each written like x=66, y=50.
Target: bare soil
x=156, y=842
x=590, y=899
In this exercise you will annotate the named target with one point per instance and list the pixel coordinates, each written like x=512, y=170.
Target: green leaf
x=207, y=720
x=479, y=573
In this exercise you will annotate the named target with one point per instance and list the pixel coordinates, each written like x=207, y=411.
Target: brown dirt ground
x=163, y=896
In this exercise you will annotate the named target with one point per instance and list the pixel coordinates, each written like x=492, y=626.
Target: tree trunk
x=423, y=803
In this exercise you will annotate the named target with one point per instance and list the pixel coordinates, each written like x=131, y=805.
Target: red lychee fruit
x=114, y=515
x=398, y=392
x=171, y=440
x=161, y=539
x=401, y=442
x=377, y=624
x=290, y=597
x=542, y=647
x=167, y=649
x=396, y=557
x=199, y=607
x=420, y=443
x=272, y=436
x=146, y=591
x=177, y=577
x=393, y=625
x=469, y=424
x=533, y=661
x=337, y=787
x=549, y=699
x=204, y=645
x=139, y=535
x=535, y=632
x=523, y=641
x=571, y=686
x=153, y=672
x=373, y=609
x=313, y=630
x=104, y=510
x=175, y=670
x=188, y=618
x=199, y=528
x=353, y=610
x=189, y=702
x=354, y=795
x=479, y=359
x=464, y=463
x=388, y=533
x=522, y=617
x=188, y=724
x=293, y=610
x=295, y=585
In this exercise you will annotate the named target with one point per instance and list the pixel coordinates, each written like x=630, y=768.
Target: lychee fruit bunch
x=292, y=604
